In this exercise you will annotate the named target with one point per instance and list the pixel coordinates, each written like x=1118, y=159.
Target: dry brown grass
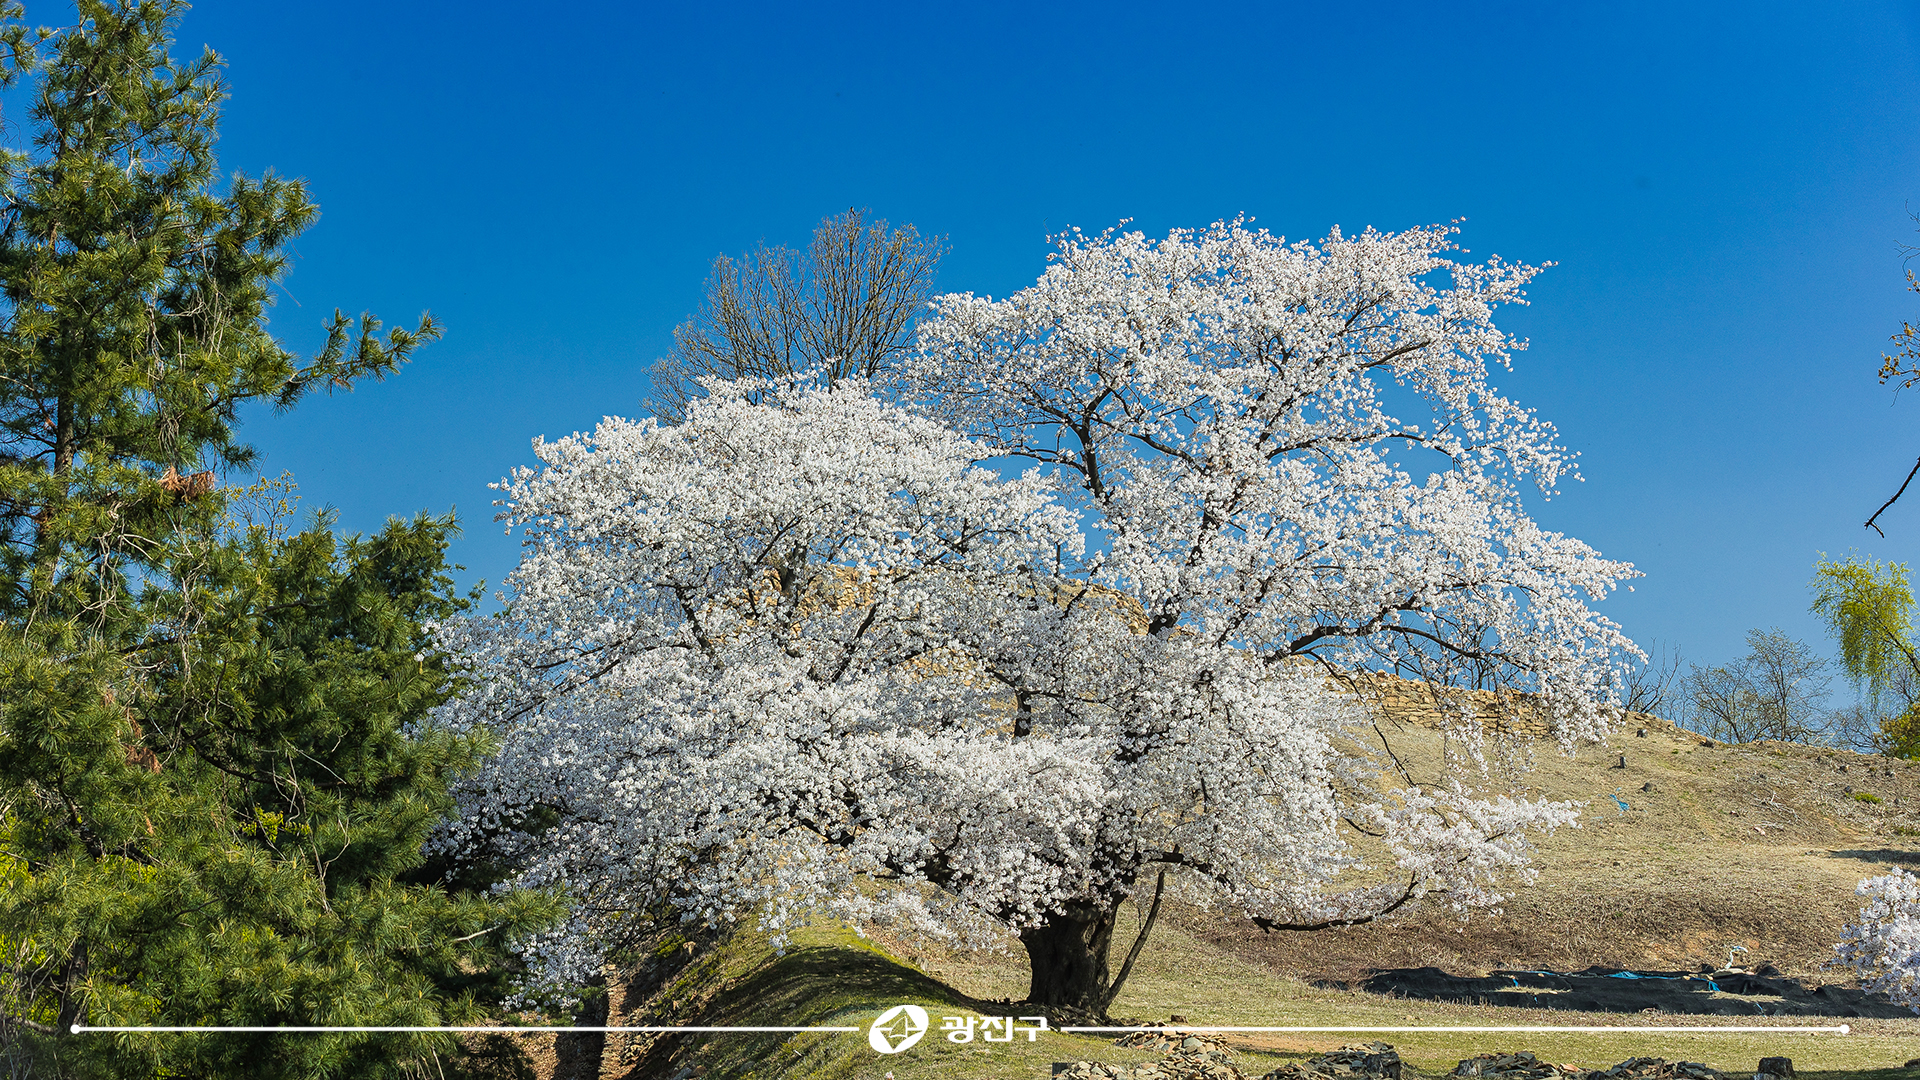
x=1758, y=845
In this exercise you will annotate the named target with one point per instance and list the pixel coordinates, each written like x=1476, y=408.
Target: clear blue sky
x=1725, y=191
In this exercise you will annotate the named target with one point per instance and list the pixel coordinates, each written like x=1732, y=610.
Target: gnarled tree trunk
x=1069, y=957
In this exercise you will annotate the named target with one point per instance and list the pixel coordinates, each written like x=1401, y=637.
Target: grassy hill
x=1755, y=844
x=1758, y=845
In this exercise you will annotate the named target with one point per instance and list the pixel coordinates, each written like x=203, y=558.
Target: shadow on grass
x=1879, y=855
x=809, y=986
x=812, y=982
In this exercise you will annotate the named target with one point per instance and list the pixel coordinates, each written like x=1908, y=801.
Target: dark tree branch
x=1406, y=896
x=30, y=1025
x=1139, y=942
x=1896, y=498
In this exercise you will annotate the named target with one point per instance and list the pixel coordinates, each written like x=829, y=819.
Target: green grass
x=1197, y=981
x=829, y=976
x=1694, y=877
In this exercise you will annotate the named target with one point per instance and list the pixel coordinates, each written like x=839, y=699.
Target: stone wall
x=1412, y=702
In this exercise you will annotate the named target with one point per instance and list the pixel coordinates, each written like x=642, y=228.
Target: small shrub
x=1865, y=796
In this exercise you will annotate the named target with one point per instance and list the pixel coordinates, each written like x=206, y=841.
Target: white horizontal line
x=80, y=1028
x=1695, y=1029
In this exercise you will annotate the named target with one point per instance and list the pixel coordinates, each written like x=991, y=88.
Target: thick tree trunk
x=73, y=1000
x=1069, y=958
x=579, y=1055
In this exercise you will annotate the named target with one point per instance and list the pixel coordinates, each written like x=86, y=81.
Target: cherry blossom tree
x=1883, y=948
x=805, y=652
x=1228, y=408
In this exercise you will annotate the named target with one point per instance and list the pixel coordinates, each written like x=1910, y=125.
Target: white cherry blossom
x=1883, y=948
x=1295, y=450
x=812, y=654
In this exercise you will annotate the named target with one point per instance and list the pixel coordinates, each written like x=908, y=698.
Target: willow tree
x=209, y=803
x=1868, y=608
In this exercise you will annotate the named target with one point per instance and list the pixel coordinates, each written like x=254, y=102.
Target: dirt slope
x=1757, y=844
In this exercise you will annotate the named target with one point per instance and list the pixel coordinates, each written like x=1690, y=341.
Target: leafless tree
x=1857, y=727
x=1863, y=725
x=1777, y=691
x=844, y=307
x=1649, y=688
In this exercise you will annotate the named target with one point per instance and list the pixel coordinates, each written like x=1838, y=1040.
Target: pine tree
x=216, y=764
x=136, y=294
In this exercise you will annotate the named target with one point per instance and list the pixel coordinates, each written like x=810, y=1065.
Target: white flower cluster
x=760, y=660
x=1883, y=948
x=1219, y=404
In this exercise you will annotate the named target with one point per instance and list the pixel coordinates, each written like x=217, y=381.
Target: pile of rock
x=1517, y=1066
x=1179, y=1065
x=1526, y=1066
x=1166, y=1038
x=1371, y=1061
x=1649, y=1068
x=1191, y=1057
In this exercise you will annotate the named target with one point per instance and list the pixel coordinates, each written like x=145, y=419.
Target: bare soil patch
x=1758, y=845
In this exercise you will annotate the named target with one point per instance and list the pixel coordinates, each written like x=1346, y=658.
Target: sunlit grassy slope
x=830, y=977
x=1756, y=845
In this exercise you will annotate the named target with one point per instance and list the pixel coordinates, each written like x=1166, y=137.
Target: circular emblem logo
x=897, y=1028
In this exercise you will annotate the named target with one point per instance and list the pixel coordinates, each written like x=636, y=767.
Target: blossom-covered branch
x=808, y=637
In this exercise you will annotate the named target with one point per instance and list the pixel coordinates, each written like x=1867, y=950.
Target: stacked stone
x=1649, y=1068
x=1517, y=1066
x=1408, y=701
x=1166, y=1038
x=1179, y=1065
x=1525, y=1066
x=1195, y=1058
x=1372, y=1061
